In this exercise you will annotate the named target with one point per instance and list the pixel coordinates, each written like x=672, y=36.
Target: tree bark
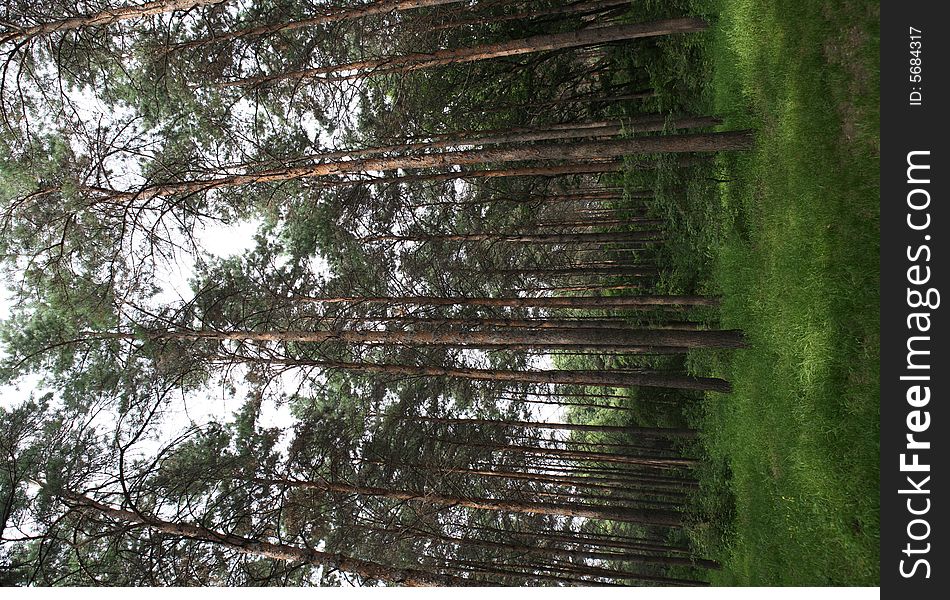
x=595, y=378
x=103, y=18
x=626, y=271
x=459, y=338
x=559, y=131
x=580, y=302
x=546, y=550
x=538, y=43
x=583, y=455
x=545, y=199
x=628, y=515
x=333, y=16
x=594, y=221
x=526, y=238
x=653, y=432
x=560, y=289
x=698, y=142
x=573, y=481
x=581, y=539
x=498, y=322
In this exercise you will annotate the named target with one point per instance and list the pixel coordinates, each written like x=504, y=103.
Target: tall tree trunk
x=526, y=238
x=586, y=349
x=590, y=167
x=594, y=221
x=592, y=571
x=583, y=455
x=578, y=404
x=573, y=481
x=698, y=142
x=334, y=15
x=628, y=515
x=544, y=199
x=510, y=136
x=472, y=567
x=546, y=550
x=625, y=271
x=653, y=432
x=538, y=43
x=619, y=473
x=580, y=539
x=561, y=289
x=558, y=131
x=576, y=167
x=102, y=18
x=705, y=338
x=497, y=322
x=597, y=378
x=579, y=302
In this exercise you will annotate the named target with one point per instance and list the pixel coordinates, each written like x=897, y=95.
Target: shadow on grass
x=788, y=235
x=798, y=270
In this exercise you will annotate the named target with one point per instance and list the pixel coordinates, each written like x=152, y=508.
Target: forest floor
x=788, y=235
x=797, y=267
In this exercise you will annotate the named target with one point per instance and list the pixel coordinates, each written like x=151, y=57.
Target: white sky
x=220, y=241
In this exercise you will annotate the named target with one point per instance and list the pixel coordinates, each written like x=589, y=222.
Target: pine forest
x=432, y=293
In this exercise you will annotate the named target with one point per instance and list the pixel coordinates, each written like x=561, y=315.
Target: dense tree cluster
x=441, y=258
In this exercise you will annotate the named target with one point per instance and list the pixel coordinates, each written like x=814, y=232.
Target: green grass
x=788, y=235
x=793, y=480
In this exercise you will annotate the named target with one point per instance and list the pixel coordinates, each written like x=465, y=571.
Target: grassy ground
x=797, y=267
x=787, y=234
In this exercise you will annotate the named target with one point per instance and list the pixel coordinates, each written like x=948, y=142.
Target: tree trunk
x=619, y=473
x=102, y=18
x=332, y=16
x=558, y=131
x=496, y=322
x=628, y=515
x=594, y=167
x=583, y=288
x=538, y=43
x=582, y=539
x=698, y=142
x=526, y=238
x=530, y=199
x=493, y=570
x=583, y=455
x=574, y=481
x=592, y=571
x=589, y=337
x=594, y=221
x=626, y=271
x=653, y=432
x=579, y=302
x=545, y=550
x=596, y=378
x=517, y=135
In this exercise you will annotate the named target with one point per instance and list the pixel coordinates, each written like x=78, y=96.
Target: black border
x=906, y=128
